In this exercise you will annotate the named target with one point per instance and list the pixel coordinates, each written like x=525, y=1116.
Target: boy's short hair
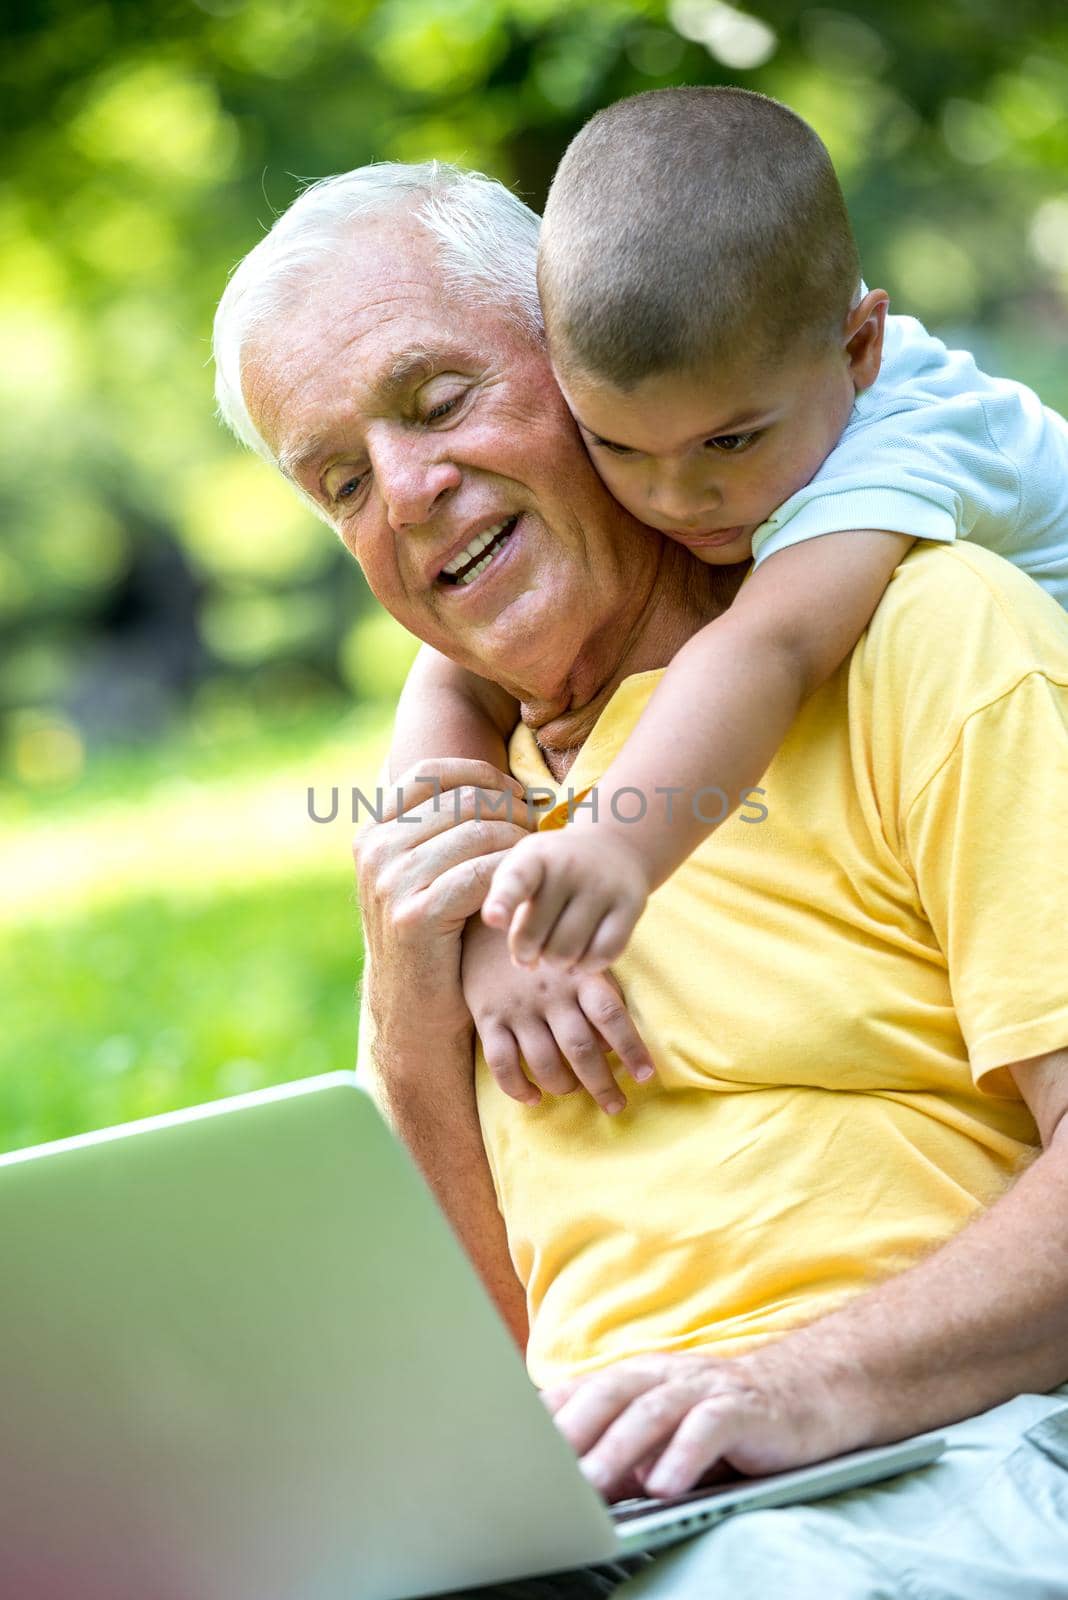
x=684, y=224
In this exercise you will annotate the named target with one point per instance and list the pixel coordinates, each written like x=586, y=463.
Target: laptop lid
x=243, y=1357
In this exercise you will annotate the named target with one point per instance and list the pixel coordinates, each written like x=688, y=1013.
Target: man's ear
x=864, y=329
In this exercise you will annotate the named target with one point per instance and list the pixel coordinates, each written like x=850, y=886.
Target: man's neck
x=684, y=596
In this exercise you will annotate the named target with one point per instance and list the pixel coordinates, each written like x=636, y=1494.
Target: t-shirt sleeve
x=988, y=843
x=933, y=471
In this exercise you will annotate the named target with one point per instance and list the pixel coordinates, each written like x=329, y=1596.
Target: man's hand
x=422, y=872
x=559, y=1025
x=660, y=1424
x=570, y=898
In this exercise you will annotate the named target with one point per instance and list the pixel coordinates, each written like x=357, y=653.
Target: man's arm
x=425, y=1086
x=444, y=710
x=420, y=877
x=983, y=1318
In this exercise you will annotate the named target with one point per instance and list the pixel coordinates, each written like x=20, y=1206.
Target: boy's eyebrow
x=746, y=420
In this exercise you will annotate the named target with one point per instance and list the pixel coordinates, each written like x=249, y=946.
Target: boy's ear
x=864, y=329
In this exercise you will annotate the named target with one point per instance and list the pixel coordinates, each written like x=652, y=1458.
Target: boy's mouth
x=704, y=540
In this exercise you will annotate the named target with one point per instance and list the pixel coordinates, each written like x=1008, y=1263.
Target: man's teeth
x=478, y=543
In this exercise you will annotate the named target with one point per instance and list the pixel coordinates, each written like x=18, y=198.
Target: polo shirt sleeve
x=933, y=470
x=986, y=841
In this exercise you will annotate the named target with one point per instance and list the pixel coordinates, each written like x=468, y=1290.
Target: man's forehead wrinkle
x=370, y=329
x=408, y=368
x=294, y=371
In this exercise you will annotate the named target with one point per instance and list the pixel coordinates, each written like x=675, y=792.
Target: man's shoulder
x=966, y=619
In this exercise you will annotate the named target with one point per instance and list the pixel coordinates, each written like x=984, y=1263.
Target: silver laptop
x=243, y=1357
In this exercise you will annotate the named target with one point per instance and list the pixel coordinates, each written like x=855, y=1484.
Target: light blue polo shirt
x=937, y=449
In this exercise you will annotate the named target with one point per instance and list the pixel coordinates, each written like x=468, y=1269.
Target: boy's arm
x=444, y=710
x=731, y=694
x=712, y=726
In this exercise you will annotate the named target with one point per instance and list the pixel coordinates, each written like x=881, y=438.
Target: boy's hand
x=559, y=1024
x=570, y=898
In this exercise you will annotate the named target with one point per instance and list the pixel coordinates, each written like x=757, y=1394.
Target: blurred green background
x=184, y=649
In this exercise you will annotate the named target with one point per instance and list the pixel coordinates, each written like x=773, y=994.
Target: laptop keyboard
x=627, y=1510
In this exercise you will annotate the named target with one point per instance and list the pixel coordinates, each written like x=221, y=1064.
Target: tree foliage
x=146, y=564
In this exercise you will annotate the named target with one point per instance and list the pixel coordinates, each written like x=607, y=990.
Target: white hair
x=487, y=250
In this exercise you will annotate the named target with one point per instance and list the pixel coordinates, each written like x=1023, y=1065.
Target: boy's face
x=705, y=458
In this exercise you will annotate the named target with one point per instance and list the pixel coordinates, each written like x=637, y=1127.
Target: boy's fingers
x=534, y=921
x=609, y=940
x=604, y=1006
x=585, y=1053
x=573, y=930
x=544, y=1063
x=515, y=881
x=502, y=1058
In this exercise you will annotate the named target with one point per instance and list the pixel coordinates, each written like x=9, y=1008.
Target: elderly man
x=837, y=1215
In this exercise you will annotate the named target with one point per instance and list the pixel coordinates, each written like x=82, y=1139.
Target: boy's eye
x=616, y=449
x=731, y=444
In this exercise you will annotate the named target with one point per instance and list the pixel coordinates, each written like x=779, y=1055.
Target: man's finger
x=554, y=1396
x=406, y=873
x=648, y=1423
x=595, y=1403
x=430, y=780
x=431, y=838
x=703, y=1437
x=466, y=803
x=458, y=892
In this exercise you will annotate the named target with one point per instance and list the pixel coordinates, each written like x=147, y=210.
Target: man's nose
x=412, y=482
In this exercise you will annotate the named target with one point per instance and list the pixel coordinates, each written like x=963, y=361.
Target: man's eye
x=346, y=490
x=731, y=444
x=443, y=409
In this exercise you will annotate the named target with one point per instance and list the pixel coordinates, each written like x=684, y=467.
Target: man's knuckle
x=406, y=914
x=482, y=870
x=711, y=1410
x=654, y=1405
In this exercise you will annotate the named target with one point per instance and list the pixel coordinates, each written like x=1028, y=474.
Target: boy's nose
x=683, y=505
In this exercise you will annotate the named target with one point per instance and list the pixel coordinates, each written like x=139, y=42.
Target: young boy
x=741, y=391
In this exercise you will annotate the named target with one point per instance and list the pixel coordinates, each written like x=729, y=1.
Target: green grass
x=163, y=1002
x=178, y=930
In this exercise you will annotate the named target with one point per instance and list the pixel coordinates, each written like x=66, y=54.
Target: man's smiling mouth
x=465, y=568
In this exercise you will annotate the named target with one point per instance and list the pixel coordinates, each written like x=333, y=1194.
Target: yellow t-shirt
x=831, y=996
